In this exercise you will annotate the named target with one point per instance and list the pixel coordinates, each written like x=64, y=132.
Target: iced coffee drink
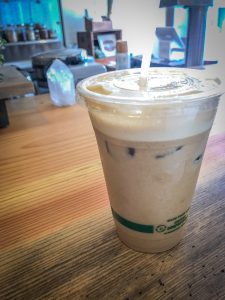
x=151, y=141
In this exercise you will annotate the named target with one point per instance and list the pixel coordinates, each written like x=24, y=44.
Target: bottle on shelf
x=122, y=55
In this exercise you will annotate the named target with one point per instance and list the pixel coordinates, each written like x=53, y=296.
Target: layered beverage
x=151, y=141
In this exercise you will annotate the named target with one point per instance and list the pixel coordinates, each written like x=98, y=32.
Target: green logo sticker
x=171, y=226
x=132, y=225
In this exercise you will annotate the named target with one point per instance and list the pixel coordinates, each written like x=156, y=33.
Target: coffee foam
x=155, y=126
x=176, y=103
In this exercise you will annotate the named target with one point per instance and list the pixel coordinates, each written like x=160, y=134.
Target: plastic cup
x=151, y=142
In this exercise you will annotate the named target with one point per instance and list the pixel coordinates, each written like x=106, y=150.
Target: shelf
x=39, y=42
x=25, y=50
x=88, y=39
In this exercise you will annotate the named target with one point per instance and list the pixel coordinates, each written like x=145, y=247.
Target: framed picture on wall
x=107, y=44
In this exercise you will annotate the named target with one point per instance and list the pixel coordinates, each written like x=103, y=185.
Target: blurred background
x=55, y=23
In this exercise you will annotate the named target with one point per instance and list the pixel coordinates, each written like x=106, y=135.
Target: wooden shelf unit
x=89, y=39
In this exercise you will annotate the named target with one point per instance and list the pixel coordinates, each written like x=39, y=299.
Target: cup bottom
x=143, y=242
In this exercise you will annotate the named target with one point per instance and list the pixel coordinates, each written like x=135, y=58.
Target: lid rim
x=150, y=101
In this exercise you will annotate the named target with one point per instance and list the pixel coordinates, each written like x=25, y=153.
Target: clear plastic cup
x=151, y=141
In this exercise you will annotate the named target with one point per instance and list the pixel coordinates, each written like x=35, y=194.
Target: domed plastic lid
x=164, y=85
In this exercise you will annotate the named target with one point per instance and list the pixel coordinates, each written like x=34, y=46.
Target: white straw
x=149, y=43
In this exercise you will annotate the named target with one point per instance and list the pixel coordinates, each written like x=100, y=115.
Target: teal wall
x=221, y=17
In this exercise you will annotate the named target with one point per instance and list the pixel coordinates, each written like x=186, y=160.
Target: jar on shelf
x=11, y=34
x=37, y=27
x=37, y=34
x=52, y=34
x=21, y=33
x=1, y=32
x=43, y=33
x=30, y=32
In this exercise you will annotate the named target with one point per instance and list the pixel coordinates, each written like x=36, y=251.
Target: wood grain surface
x=14, y=83
x=57, y=237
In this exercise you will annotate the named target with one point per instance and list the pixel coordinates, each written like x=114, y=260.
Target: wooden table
x=57, y=237
x=12, y=84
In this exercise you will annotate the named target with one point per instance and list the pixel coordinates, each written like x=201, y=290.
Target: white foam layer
x=156, y=126
x=176, y=103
